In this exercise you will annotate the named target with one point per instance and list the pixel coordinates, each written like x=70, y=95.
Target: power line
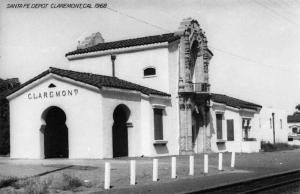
x=244, y=58
x=297, y=2
x=282, y=8
x=137, y=19
x=218, y=49
x=276, y=13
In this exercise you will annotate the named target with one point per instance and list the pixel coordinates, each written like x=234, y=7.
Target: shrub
x=269, y=147
x=39, y=186
x=8, y=181
x=71, y=182
x=4, y=135
x=36, y=186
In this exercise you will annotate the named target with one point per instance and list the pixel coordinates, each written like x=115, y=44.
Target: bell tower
x=193, y=83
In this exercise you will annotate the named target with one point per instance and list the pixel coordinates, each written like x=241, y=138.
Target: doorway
x=119, y=131
x=56, y=144
x=198, y=132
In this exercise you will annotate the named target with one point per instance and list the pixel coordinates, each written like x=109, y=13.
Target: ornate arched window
x=149, y=71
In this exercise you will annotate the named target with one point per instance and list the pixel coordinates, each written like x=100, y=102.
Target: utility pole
x=273, y=120
x=113, y=58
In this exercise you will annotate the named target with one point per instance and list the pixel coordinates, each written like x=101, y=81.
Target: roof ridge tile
x=168, y=37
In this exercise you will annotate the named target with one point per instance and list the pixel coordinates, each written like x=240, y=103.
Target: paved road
x=248, y=166
x=293, y=188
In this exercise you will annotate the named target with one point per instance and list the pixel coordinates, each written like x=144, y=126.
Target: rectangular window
x=219, y=118
x=158, y=124
x=280, y=123
x=230, y=130
x=246, y=128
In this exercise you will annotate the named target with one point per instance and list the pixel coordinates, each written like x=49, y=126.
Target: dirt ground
x=92, y=171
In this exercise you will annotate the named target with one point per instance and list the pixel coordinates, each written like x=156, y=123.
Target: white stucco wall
x=238, y=145
x=170, y=129
x=98, y=65
x=83, y=122
x=173, y=110
x=130, y=66
x=111, y=99
x=281, y=133
x=141, y=134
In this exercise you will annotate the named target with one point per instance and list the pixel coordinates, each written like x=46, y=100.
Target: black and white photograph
x=150, y=96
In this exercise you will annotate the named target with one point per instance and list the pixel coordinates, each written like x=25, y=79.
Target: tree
x=5, y=87
x=298, y=107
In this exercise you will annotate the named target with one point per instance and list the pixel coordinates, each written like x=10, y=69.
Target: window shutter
x=158, y=124
x=230, y=130
x=219, y=126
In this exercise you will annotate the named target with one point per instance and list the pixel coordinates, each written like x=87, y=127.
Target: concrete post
x=191, y=166
x=220, y=161
x=173, y=171
x=107, y=176
x=205, y=163
x=232, y=159
x=132, y=172
x=155, y=169
x=273, y=121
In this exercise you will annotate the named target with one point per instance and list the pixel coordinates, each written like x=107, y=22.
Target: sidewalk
x=247, y=166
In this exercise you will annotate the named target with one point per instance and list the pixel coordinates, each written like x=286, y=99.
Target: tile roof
x=295, y=118
x=127, y=43
x=98, y=81
x=234, y=102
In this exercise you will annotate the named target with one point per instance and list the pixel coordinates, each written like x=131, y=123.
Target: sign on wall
x=52, y=94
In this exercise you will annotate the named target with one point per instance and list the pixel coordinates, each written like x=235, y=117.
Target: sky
x=255, y=42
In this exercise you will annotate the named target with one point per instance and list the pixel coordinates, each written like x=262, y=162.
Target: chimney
x=89, y=41
x=113, y=58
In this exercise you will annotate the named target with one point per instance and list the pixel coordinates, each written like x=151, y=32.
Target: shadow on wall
x=161, y=149
x=221, y=146
x=212, y=130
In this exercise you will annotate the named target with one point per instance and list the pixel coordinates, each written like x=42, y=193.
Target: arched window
x=149, y=71
x=294, y=129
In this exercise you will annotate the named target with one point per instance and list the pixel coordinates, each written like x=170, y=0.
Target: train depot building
x=147, y=96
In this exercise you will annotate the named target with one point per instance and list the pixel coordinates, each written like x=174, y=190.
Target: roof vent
x=90, y=41
x=51, y=85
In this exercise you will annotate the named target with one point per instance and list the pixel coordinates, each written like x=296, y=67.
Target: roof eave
x=117, y=50
x=44, y=76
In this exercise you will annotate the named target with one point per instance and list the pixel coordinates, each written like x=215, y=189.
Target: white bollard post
x=173, y=171
x=155, y=169
x=220, y=161
x=107, y=176
x=191, y=166
x=232, y=159
x=132, y=172
x=205, y=163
